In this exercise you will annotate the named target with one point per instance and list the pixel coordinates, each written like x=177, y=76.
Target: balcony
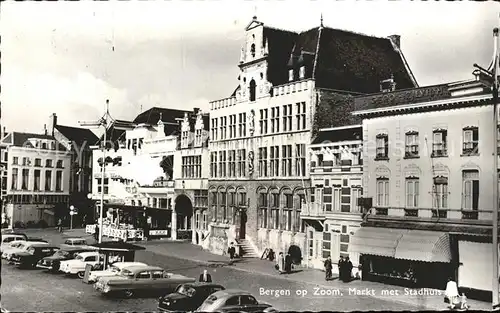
x=432, y=213
x=336, y=166
x=158, y=186
x=312, y=211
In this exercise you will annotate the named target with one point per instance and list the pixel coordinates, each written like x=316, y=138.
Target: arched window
x=252, y=90
x=252, y=50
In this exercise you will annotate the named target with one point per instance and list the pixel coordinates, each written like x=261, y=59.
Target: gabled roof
x=79, y=136
x=326, y=136
x=152, y=116
x=281, y=43
x=22, y=140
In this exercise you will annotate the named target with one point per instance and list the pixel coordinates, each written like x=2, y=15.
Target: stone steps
x=247, y=249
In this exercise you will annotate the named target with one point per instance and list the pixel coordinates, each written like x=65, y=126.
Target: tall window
x=440, y=191
x=439, y=137
x=252, y=89
x=242, y=199
x=48, y=180
x=26, y=161
x=99, y=185
x=412, y=192
x=224, y=128
x=14, y=178
x=198, y=138
x=275, y=120
x=59, y=180
x=327, y=241
x=302, y=72
x=290, y=75
x=25, y=177
x=263, y=210
x=411, y=147
x=242, y=124
x=471, y=140
x=221, y=127
x=298, y=223
x=232, y=163
x=242, y=163
x=275, y=209
x=470, y=193
x=382, y=192
x=288, y=212
x=213, y=164
x=300, y=115
x=262, y=162
x=300, y=160
x=215, y=126
x=15, y=160
x=287, y=117
x=274, y=161
x=222, y=163
x=38, y=162
x=191, y=166
x=213, y=203
x=331, y=198
x=185, y=139
x=36, y=180
x=263, y=121
x=382, y=146
x=286, y=161
x=357, y=192
x=232, y=126
x=222, y=203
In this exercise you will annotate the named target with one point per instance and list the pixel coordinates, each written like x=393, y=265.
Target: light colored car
x=18, y=246
x=8, y=238
x=233, y=300
x=77, y=241
x=78, y=264
x=113, y=270
x=136, y=279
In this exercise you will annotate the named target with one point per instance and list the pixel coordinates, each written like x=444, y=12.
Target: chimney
x=53, y=123
x=195, y=111
x=45, y=129
x=396, y=40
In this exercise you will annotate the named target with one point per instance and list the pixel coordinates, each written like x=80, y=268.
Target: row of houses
x=326, y=147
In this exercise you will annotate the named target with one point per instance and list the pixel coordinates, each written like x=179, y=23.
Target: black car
x=187, y=297
x=30, y=257
x=52, y=262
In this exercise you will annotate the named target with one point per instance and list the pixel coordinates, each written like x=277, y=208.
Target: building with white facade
x=37, y=179
x=336, y=176
x=290, y=86
x=428, y=168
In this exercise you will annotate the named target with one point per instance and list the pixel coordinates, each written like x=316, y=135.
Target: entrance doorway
x=184, y=211
x=243, y=224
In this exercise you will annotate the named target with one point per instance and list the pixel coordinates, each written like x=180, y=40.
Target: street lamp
x=101, y=122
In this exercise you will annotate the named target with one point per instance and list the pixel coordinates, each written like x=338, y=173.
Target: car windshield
x=186, y=290
x=79, y=258
x=61, y=253
x=15, y=245
x=126, y=273
x=114, y=269
x=31, y=250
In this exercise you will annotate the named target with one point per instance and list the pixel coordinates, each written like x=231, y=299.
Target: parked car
x=136, y=279
x=113, y=270
x=53, y=262
x=187, y=297
x=78, y=264
x=8, y=238
x=74, y=242
x=36, y=239
x=18, y=246
x=30, y=257
x=232, y=300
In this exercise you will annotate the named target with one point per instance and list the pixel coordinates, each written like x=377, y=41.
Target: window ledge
x=385, y=158
x=439, y=155
x=469, y=154
x=411, y=157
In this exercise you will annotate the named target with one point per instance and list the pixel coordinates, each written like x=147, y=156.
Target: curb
x=342, y=288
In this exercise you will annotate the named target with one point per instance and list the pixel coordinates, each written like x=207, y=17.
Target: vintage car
x=78, y=264
x=18, y=246
x=233, y=300
x=113, y=270
x=74, y=242
x=30, y=257
x=53, y=262
x=8, y=238
x=137, y=279
x=187, y=297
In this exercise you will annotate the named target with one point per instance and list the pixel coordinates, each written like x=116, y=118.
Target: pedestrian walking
x=231, y=251
x=59, y=225
x=348, y=270
x=280, y=263
x=96, y=233
x=205, y=277
x=288, y=263
x=341, y=267
x=328, y=268
x=451, y=293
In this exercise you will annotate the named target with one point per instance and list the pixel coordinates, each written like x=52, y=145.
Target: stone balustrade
x=461, y=214
x=223, y=103
x=312, y=210
x=292, y=87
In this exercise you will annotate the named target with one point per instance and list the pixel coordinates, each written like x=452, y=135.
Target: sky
x=69, y=57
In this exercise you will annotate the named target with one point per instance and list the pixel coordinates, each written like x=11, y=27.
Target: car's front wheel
x=128, y=294
x=80, y=274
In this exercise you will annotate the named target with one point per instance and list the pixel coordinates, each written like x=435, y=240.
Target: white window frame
x=467, y=191
x=383, y=191
x=412, y=186
x=290, y=75
x=440, y=196
x=302, y=72
x=356, y=192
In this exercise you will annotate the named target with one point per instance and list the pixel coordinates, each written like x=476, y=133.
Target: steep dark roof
x=280, y=43
x=355, y=62
x=337, y=135
x=22, y=140
x=78, y=135
x=152, y=116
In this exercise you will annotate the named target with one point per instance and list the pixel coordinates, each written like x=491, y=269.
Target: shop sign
x=158, y=232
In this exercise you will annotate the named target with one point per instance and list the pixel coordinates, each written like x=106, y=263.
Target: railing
x=161, y=183
x=411, y=212
x=291, y=88
x=457, y=214
x=312, y=210
x=470, y=215
x=223, y=103
x=381, y=211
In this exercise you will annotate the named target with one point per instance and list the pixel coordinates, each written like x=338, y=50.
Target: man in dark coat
x=288, y=263
x=341, y=267
x=205, y=277
x=347, y=270
x=231, y=251
x=96, y=234
x=328, y=268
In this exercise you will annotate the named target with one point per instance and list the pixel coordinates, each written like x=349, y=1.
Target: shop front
x=409, y=258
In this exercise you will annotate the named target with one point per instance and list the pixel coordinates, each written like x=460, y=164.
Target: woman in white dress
x=452, y=292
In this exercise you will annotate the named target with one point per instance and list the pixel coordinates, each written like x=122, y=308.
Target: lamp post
x=101, y=122
x=495, y=300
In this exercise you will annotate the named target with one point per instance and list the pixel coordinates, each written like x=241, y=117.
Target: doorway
x=243, y=223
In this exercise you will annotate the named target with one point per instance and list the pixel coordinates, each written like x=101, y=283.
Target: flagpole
x=495, y=276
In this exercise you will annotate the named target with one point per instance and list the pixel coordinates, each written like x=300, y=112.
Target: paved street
x=35, y=290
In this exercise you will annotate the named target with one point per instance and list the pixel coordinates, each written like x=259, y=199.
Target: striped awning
x=426, y=246
x=375, y=241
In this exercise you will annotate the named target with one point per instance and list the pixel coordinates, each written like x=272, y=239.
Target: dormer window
x=53, y=145
x=252, y=50
x=252, y=90
x=185, y=139
x=302, y=72
x=198, y=137
x=290, y=75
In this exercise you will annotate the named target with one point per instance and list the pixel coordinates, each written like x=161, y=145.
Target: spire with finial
x=321, y=20
x=160, y=120
x=255, y=13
